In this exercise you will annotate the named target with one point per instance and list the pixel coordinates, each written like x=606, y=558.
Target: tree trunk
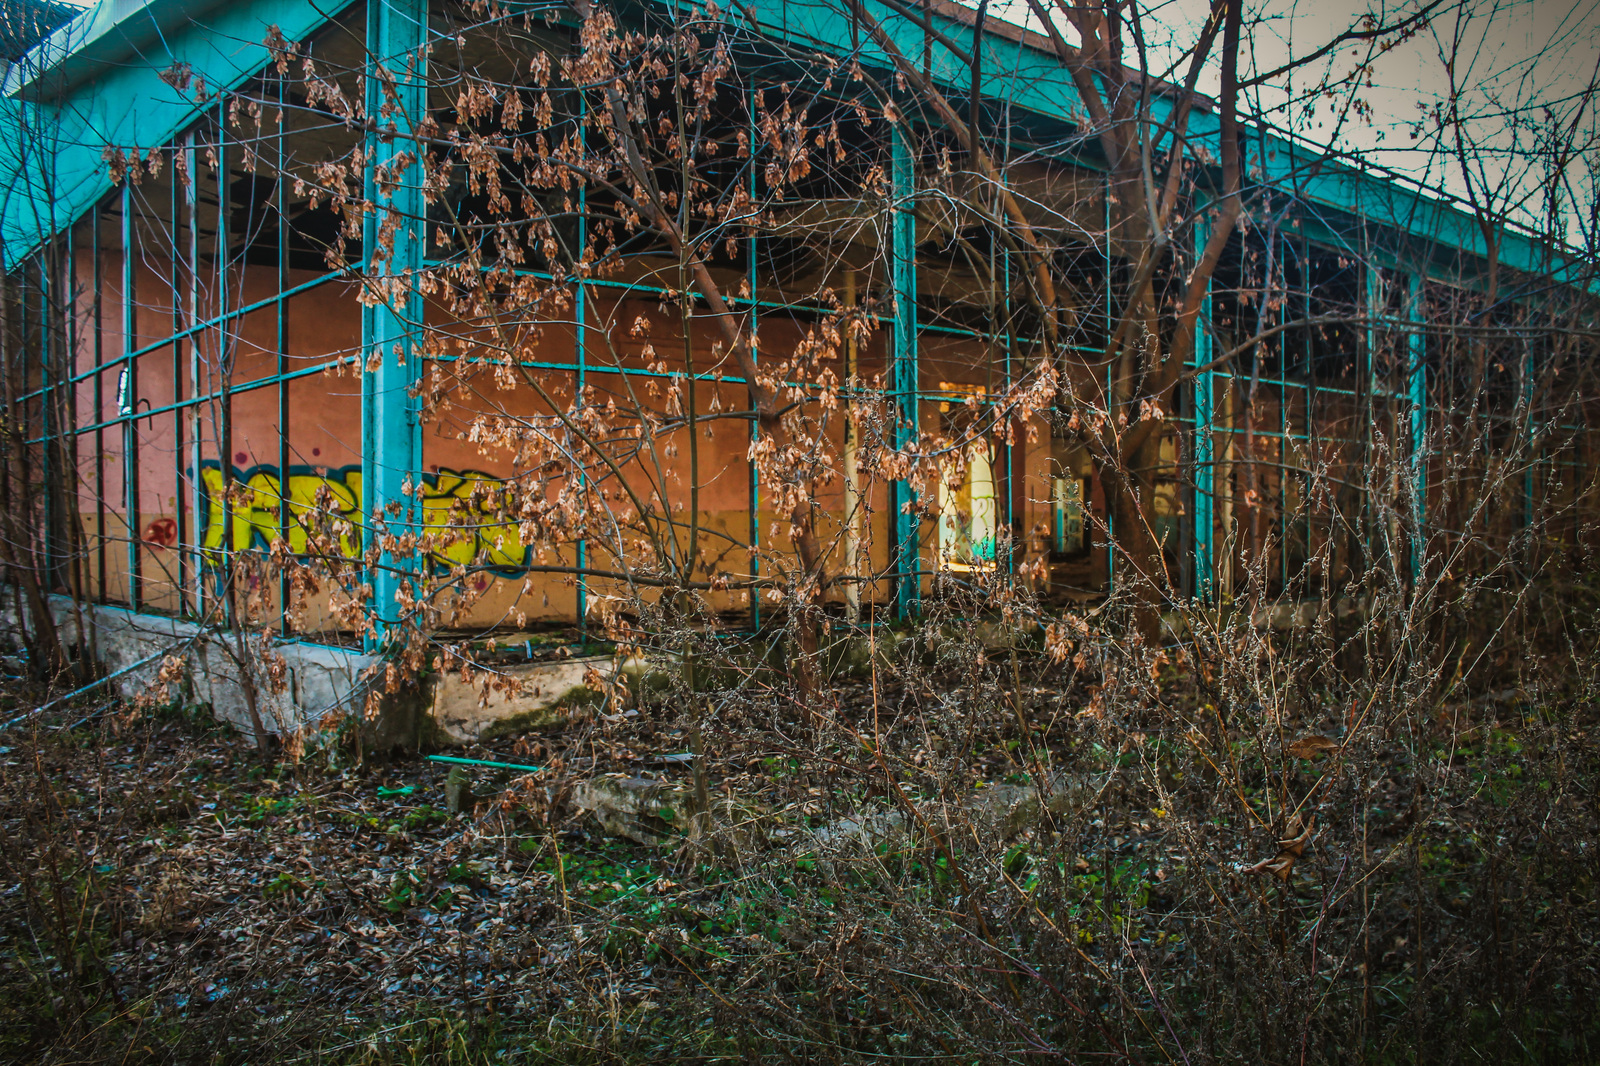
x=1139, y=567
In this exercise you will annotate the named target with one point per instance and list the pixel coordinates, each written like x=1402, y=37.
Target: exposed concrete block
x=864, y=829
x=544, y=694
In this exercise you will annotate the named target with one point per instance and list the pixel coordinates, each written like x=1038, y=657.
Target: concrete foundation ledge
x=319, y=679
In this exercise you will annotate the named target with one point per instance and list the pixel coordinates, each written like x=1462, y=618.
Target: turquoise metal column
x=1204, y=414
x=197, y=486
x=755, y=354
x=280, y=194
x=1010, y=563
x=391, y=437
x=903, y=271
x=1535, y=455
x=580, y=311
x=1416, y=347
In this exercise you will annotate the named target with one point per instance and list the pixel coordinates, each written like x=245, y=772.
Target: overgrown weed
x=1229, y=849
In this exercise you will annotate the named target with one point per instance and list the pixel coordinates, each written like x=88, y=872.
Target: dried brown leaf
x=1312, y=746
x=1290, y=848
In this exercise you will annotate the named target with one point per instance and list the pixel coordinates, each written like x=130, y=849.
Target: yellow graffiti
x=460, y=510
x=462, y=514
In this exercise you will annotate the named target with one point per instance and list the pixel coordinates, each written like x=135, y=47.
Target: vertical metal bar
x=391, y=440
x=196, y=440
x=280, y=194
x=1204, y=416
x=128, y=399
x=46, y=430
x=906, y=380
x=1371, y=294
x=755, y=353
x=98, y=280
x=1535, y=457
x=174, y=195
x=1005, y=333
x=69, y=303
x=225, y=356
x=1280, y=254
x=1311, y=391
x=1111, y=519
x=852, y=467
x=1417, y=380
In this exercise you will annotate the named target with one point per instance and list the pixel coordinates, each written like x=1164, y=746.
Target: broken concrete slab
x=868, y=829
x=1009, y=809
x=642, y=809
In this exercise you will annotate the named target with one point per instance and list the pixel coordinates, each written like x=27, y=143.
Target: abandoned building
x=221, y=373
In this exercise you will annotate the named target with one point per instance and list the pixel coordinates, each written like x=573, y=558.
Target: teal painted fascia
x=109, y=91
x=1012, y=70
x=1391, y=202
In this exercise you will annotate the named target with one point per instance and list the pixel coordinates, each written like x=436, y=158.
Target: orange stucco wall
x=323, y=429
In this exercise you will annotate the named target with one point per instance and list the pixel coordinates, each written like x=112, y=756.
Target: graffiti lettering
x=162, y=533
x=458, y=511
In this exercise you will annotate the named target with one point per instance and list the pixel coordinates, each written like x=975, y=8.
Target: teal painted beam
x=906, y=383
x=1204, y=465
x=391, y=439
x=97, y=82
x=1396, y=204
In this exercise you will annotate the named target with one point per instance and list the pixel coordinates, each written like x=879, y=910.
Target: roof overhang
x=102, y=80
x=123, y=47
x=108, y=34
